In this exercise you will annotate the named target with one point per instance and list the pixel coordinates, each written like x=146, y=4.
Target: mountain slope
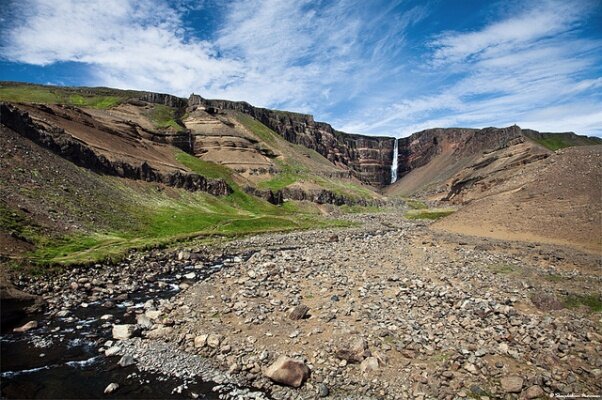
x=555, y=200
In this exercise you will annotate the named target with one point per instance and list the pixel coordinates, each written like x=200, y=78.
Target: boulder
x=15, y=304
x=288, y=371
x=124, y=331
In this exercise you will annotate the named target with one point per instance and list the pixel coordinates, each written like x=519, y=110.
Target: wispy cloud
x=523, y=69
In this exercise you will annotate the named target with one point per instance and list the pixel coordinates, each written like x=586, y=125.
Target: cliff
x=78, y=152
x=422, y=147
x=369, y=157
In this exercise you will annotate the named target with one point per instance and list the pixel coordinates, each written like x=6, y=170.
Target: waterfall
x=394, y=164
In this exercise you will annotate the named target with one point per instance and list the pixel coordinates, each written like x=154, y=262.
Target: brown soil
x=556, y=200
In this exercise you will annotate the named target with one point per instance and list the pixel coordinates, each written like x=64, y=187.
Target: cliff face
x=66, y=146
x=420, y=148
x=370, y=157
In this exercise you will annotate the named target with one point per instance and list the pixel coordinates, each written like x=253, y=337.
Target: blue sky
x=373, y=67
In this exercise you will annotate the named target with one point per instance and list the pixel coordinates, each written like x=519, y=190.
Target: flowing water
x=394, y=164
x=60, y=358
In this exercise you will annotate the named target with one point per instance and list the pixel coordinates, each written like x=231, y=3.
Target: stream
x=61, y=358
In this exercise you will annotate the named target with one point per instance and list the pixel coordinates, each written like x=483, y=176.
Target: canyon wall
x=370, y=157
x=76, y=151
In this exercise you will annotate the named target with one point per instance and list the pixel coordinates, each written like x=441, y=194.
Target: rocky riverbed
x=387, y=309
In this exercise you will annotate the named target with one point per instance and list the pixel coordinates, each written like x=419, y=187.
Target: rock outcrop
x=370, y=157
x=66, y=146
x=15, y=304
x=421, y=147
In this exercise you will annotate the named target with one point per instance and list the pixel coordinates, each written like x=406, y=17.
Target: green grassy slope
x=76, y=216
x=555, y=141
x=102, y=98
x=300, y=164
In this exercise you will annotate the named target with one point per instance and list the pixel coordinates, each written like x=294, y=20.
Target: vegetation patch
x=502, y=268
x=415, y=204
x=555, y=141
x=592, y=301
x=554, y=278
x=102, y=98
x=164, y=117
x=163, y=216
x=430, y=214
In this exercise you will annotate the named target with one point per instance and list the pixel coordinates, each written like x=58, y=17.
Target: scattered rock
x=200, y=341
x=126, y=361
x=369, y=364
x=534, y=392
x=112, y=351
x=214, y=340
x=512, y=384
x=28, y=326
x=323, y=390
x=125, y=331
x=355, y=353
x=288, y=371
x=159, y=332
x=111, y=388
x=299, y=312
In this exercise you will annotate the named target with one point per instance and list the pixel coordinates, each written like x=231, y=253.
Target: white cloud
x=128, y=44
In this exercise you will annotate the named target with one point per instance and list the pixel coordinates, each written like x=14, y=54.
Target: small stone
x=369, y=364
x=323, y=390
x=534, y=392
x=213, y=340
x=512, y=384
x=503, y=348
x=200, y=341
x=126, y=361
x=470, y=368
x=288, y=371
x=111, y=388
x=113, y=350
x=125, y=331
x=298, y=312
x=28, y=326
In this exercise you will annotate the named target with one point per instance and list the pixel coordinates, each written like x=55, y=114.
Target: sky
x=374, y=67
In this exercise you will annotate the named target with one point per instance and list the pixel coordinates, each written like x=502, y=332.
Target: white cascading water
x=394, y=165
